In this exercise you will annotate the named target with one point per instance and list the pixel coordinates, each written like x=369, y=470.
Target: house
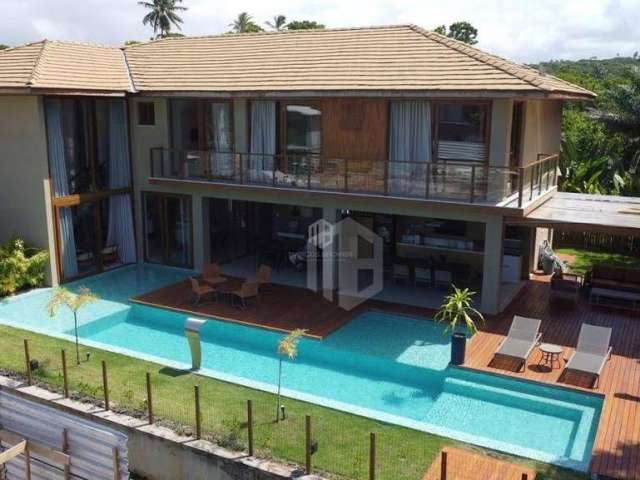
x=186, y=150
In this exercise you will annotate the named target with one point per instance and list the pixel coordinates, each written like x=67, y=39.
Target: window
x=146, y=113
x=459, y=122
x=462, y=131
x=197, y=125
x=303, y=125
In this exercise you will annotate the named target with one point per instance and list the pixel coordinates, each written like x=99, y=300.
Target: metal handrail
x=467, y=181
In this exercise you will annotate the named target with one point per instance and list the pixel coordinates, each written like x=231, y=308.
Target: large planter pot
x=458, y=347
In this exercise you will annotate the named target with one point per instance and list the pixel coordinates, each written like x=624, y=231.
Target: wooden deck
x=468, y=465
x=616, y=453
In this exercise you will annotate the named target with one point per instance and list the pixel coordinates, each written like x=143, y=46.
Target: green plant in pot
x=457, y=311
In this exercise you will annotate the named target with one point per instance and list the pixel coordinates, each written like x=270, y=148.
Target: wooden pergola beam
x=13, y=452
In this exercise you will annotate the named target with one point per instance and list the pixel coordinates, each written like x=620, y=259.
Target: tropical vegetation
x=457, y=310
x=287, y=347
x=601, y=140
x=462, y=31
x=21, y=267
x=162, y=16
x=61, y=297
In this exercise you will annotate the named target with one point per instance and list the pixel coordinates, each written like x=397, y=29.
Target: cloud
x=525, y=31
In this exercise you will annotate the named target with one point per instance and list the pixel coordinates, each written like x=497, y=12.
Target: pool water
x=390, y=367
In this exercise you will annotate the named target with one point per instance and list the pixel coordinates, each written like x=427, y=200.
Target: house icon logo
x=351, y=258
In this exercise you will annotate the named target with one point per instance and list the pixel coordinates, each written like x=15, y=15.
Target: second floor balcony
x=442, y=181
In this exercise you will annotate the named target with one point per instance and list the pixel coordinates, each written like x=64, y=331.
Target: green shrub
x=21, y=267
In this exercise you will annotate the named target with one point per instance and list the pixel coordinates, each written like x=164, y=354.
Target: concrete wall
x=542, y=129
x=499, y=149
x=24, y=196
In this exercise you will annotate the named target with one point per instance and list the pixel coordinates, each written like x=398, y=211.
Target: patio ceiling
x=615, y=214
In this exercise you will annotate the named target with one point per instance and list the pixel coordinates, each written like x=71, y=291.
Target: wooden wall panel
x=354, y=128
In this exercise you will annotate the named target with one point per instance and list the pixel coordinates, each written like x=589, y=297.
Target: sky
x=524, y=31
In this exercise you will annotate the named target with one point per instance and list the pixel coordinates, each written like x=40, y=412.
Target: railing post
x=273, y=169
x=540, y=177
x=250, y=426
x=386, y=166
x=308, y=173
x=472, y=191
x=65, y=379
x=196, y=393
x=27, y=360
x=520, y=186
x=346, y=174
x=525, y=476
x=105, y=385
x=307, y=438
x=372, y=456
x=149, y=399
x=427, y=189
x=443, y=465
x=240, y=167
x=532, y=183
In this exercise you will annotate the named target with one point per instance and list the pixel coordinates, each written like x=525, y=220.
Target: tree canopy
x=462, y=31
x=244, y=24
x=304, y=25
x=162, y=16
x=3, y=46
x=278, y=23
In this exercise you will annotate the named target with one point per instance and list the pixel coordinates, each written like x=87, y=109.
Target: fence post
x=443, y=465
x=372, y=456
x=307, y=431
x=115, y=460
x=65, y=449
x=525, y=476
x=250, y=426
x=105, y=385
x=27, y=463
x=27, y=360
x=65, y=379
x=149, y=399
x=196, y=393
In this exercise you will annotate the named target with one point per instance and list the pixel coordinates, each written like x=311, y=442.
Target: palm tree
x=457, y=309
x=244, y=24
x=278, y=23
x=288, y=347
x=74, y=302
x=162, y=15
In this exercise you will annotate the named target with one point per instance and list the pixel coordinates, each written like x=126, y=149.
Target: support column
x=198, y=232
x=492, y=265
x=329, y=267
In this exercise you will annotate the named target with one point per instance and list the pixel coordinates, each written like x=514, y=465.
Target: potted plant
x=74, y=302
x=457, y=310
x=288, y=347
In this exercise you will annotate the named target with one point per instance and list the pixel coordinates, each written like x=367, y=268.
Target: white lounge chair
x=592, y=352
x=523, y=336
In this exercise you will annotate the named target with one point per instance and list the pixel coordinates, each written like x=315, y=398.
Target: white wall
x=542, y=129
x=24, y=203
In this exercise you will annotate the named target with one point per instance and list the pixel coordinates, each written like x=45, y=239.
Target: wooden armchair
x=263, y=277
x=248, y=291
x=199, y=291
x=212, y=274
x=566, y=286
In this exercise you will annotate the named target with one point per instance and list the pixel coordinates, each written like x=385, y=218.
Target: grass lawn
x=343, y=439
x=580, y=260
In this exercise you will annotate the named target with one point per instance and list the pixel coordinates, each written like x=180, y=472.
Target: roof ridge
x=477, y=54
x=22, y=46
x=132, y=84
x=266, y=33
x=34, y=71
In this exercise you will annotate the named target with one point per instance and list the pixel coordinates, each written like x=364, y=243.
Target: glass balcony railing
x=460, y=182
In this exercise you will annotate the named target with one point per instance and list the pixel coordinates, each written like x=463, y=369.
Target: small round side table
x=550, y=354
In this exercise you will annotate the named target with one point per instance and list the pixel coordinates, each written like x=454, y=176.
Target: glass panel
x=303, y=136
x=178, y=230
x=459, y=122
x=185, y=128
x=86, y=241
x=75, y=116
x=102, y=143
x=153, y=246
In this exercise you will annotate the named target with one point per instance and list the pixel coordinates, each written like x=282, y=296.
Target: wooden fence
x=622, y=244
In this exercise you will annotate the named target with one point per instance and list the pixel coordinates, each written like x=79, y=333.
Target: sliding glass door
x=168, y=230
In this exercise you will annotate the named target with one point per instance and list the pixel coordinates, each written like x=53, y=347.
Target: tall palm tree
x=244, y=24
x=162, y=15
x=278, y=23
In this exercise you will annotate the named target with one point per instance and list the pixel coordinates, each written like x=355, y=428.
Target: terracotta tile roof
x=64, y=66
x=393, y=58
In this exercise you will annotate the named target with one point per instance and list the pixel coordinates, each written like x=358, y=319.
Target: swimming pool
x=390, y=367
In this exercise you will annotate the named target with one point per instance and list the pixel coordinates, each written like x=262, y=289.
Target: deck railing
x=456, y=181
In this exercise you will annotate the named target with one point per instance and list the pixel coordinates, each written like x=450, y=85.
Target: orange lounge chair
x=212, y=274
x=248, y=291
x=198, y=291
